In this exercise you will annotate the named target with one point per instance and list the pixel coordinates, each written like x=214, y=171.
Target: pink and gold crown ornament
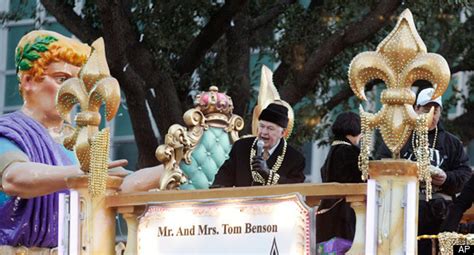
x=213, y=101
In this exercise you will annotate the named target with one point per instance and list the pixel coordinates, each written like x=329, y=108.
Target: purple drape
x=31, y=222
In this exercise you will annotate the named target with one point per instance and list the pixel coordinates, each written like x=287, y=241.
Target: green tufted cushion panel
x=207, y=157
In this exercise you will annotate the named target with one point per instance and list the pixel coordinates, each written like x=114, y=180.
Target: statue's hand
x=116, y=168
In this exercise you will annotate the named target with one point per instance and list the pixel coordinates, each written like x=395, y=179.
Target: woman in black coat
x=335, y=217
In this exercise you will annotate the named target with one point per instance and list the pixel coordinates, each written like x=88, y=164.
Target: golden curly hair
x=56, y=48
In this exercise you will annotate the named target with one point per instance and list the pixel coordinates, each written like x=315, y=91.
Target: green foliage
x=167, y=28
x=303, y=30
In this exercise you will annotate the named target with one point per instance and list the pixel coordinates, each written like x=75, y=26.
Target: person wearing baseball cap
x=266, y=159
x=449, y=168
x=425, y=102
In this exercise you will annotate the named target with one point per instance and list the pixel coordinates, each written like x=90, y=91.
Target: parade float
x=184, y=216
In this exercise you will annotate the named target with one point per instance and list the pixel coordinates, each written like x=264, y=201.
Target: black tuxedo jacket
x=236, y=169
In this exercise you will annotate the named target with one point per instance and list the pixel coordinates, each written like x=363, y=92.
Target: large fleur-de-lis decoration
x=400, y=59
x=93, y=87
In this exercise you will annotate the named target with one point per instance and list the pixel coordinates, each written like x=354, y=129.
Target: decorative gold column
x=97, y=226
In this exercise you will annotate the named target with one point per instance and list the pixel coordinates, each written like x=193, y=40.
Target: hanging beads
x=99, y=155
x=422, y=152
x=366, y=143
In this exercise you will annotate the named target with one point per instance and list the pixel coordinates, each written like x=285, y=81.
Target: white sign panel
x=263, y=225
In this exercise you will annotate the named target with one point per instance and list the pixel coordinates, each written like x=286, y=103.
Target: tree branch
x=315, y=4
x=141, y=124
x=340, y=97
x=65, y=15
x=453, y=47
x=281, y=73
x=464, y=124
x=354, y=33
x=271, y=14
x=466, y=65
x=346, y=93
x=238, y=57
x=213, y=30
x=125, y=49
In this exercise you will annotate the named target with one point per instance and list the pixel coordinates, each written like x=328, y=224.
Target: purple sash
x=31, y=222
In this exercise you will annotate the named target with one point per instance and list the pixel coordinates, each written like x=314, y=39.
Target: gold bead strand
x=99, y=155
x=422, y=153
x=366, y=143
x=257, y=177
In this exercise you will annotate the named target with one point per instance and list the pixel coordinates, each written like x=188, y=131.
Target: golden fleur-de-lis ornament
x=93, y=87
x=400, y=59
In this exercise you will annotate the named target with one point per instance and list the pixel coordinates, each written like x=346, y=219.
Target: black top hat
x=275, y=113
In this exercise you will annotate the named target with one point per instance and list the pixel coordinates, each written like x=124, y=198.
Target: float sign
x=257, y=225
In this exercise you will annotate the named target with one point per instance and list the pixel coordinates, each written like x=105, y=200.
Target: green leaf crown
x=25, y=57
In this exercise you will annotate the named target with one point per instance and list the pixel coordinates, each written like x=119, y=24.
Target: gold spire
x=267, y=94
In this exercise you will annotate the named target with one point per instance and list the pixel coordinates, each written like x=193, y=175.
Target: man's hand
x=438, y=176
x=260, y=165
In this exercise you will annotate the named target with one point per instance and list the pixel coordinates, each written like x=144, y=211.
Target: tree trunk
x=121, y=38
x=238, y=57
x=141, y=124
